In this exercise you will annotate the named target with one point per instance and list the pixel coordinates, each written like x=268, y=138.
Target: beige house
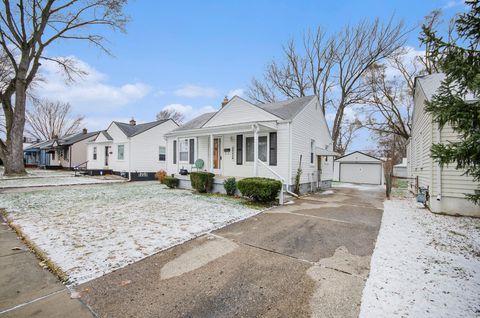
x=447, y=186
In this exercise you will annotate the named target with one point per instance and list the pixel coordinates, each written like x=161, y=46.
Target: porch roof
x=325, y=152
x=225, y=129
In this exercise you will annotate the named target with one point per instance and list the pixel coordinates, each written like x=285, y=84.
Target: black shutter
x=174, y=151
x=192, y=151
x=239, y=149
x=273, y=148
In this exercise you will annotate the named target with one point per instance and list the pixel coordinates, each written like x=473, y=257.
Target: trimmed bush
x=160, y=176
x=202, y=181
x=230, y=186
x=260, y=189
x=171, y=182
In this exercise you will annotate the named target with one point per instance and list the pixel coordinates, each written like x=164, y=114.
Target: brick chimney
x=84, y=131
x=133, y=122
x=225, y=101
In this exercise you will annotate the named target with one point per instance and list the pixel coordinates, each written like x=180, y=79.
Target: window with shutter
x=192, y=151
x=273, y=148
x=174, y=151
x=239, y=149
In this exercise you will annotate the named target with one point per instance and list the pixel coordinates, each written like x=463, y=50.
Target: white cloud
x=88, y=93
x=159, y=93
x=188, y=111
x=409, y=60
x=453, y=3
x=236, y=92
x=196, y=91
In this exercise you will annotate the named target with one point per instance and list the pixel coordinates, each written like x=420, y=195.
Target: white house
x=131, y=150
x=400, y=170
x=447, y=186
x=358, y=167
x=244, y=140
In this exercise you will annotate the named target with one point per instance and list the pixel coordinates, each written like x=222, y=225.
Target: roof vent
x=225, y=101
x=133, y=122
x=84, y=131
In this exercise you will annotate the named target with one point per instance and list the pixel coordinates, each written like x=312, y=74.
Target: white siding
x=307, y=125
x=239, y=111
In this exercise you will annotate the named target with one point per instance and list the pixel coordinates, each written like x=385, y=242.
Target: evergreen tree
x=457, y=101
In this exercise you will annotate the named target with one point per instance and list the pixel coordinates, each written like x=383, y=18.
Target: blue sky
x=192, y=53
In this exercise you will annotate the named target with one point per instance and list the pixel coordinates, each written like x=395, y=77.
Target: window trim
x=272, y=150
x=123, y=152
x=245, y=147
x=187, y=140
x=160, y=153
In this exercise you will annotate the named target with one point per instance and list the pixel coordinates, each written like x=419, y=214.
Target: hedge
x=260, y=189
x=202, y=181
x=171, y=182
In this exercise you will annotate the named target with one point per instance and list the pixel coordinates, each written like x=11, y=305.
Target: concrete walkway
x=309, y=259
x=28, y=290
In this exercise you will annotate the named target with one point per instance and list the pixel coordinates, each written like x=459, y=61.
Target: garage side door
x=360, y=173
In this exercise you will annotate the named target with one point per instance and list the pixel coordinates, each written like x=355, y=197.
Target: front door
x=217, y=157
x=106, y=155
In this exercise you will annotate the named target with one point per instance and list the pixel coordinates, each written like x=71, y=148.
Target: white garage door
x=361, y=173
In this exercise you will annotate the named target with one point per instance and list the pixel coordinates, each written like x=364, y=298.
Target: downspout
x=129, y=159
x=70, y=155
x=289, y=155
x=440, y=168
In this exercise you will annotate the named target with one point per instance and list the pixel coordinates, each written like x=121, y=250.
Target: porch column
x=211, y=153
x=255, y=151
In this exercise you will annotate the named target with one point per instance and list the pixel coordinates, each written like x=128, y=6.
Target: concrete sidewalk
x=309, y=259
x=28, y=290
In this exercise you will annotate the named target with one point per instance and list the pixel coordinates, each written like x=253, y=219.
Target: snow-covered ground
x=92, y=230
x=424, y=265
x=42, y=178
x=361, y=187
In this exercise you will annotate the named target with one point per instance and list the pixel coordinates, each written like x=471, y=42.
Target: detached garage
x=358, y=167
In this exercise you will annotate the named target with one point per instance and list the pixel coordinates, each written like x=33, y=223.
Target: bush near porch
x=259, y=189
x=202, y=181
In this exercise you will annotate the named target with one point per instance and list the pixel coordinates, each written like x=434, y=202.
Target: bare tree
x=330, y=67
x=47, y=119
x=27, y=28
x=169, y=113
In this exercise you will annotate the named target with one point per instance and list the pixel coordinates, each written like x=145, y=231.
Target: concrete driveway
x=309, y=259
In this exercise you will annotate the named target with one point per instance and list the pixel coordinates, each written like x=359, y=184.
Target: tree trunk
x=13, y=156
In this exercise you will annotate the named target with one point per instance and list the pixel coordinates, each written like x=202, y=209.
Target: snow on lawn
x=95, y=229
x=361, y=187
x=424, y=265
x=52, y=181
x=38, y=173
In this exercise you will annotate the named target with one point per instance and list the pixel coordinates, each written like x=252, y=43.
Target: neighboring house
x=130, y=150
x=245, y=140
x=447, y=186
x=358, y=167
x=66, y=152
x=400, y=170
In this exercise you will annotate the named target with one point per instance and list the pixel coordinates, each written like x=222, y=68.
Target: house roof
x=74, y=138
x=107, y=135
x=287, y=109
x=349, y=154
x=284, y=110
x=133, y=130
x=430, y=84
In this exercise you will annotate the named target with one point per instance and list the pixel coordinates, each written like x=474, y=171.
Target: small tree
x=457, y=100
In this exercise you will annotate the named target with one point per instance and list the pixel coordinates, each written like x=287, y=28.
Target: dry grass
x=45, y=261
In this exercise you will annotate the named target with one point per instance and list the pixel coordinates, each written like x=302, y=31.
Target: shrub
x=230, y=186
x=260, y=189
x=202, y=181
x=171, y=182
x=160, y=176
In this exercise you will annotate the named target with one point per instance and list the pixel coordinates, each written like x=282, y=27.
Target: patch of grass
x=44, y=259
x=241, y=200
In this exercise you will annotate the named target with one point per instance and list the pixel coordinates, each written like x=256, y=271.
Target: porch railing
x=79, y=168
x=284, y=187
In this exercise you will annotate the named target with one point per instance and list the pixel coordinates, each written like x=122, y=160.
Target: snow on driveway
x=92, y=230
x=424, y=265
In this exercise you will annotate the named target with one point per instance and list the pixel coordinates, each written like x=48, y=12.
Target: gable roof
x=285, y=110
x=430, y=84
x=107, y=135
x=349, y=154
x=74, y=138
x=133, y=130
